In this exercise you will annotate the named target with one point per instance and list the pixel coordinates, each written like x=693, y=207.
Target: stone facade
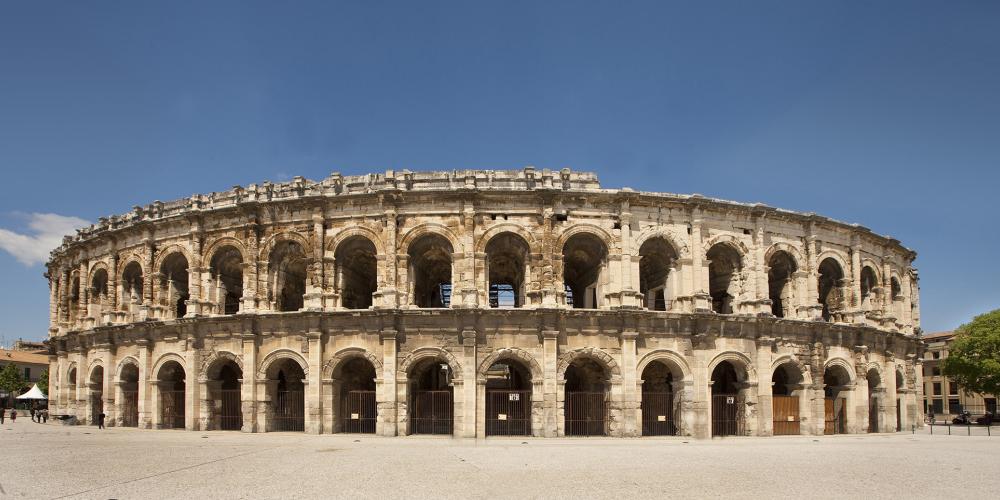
x=403, y=284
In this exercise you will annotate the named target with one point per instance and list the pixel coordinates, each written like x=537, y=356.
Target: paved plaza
x=54, y=461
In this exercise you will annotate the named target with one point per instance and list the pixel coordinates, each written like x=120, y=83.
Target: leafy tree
x=43, y=381
x=974, y=356
x=11, y=381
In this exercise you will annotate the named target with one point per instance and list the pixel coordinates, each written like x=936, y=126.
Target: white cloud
x=47, y=231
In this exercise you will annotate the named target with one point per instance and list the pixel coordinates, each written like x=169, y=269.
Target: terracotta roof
x=937, y=335
x=23, y=357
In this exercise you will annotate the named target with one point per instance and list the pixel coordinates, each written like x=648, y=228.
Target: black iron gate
x=130, y=408
x=658, y=414
x=899, y=415
x=508, y=413
x=289, y=411
x=96, y=406
x=431, y=412
x=230, y=410
x=727, y=415
x=586, y=413
x=172, y=409
x=358, y=412
x=873, y=415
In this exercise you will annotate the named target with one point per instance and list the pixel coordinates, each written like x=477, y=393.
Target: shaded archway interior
x=431, y=397
x=724, y=275
x=781, y=268
x=584, y=261
x=585, y=408
x=356, y=272
x=174, y=285
x=657, y=258
x=226, y=272
x=430, y=262
x=506, y=269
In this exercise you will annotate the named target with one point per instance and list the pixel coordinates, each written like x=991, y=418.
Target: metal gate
x=658, y=414
x=727, y=415
x=289, y=411
x=786, y=415
x=432, y=412
x=834, y=416
x=586, y=413
x=872, y=415
x=358, y=412
x=96, y=406
x=230, y=410
x=130, y=408
x=172, y=409
x=508, y=413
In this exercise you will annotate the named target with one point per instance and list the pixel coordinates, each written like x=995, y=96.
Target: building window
x=27, y=373
x=937, y=388
x=938, y=406
x=936, y=371
x=991, y=405
x=952, y=389
x=936, y=355
x=954, y=406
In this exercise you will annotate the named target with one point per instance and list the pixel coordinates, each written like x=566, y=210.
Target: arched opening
x=900, y=398
x=584, y=263
x=129, y=405
x=287, y=269
x=875, y=394
x=74, y=298
x=724, y=269
x=786, y=387
x=225, y=391
x=830, y=277
x=660, y=406
x=508, y=399
x=430, y=271
x=226, y=271
x=869, y=284
x=356, y=272
x=98, y=292
x=96, y=386
x=286, y=386
x=131, y=285
x=172, y=385
x=780, y=285
x=506, y=269
x=174, y=285
x=358, y=407
x=656, y=258
x=836, y=387
x=586, y=406
x=896, y=293
x=728, y=400
x=70, y=386
x=431, y=398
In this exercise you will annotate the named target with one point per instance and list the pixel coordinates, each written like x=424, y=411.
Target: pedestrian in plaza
x=100, y=420
x=13, y=415
x=32, y=413
x=45, y=415
x=3, y=413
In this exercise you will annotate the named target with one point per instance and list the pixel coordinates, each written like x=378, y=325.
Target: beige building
x=479, y=303
x=29, y=364
x=942, y=396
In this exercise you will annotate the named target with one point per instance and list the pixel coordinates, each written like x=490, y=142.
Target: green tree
x=974, y=356
x=11, y=381
x=43, y=381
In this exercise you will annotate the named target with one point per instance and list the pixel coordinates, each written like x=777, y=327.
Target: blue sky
x=881, y=113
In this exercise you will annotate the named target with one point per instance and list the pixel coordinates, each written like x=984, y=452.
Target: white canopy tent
x=33, y=393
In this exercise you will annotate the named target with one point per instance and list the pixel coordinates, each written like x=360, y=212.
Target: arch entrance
x=358, y=407
x=508, y=399
x=431, y=398
x=660, y=406
x=586, y=398
x=172, y=385
x=129, y=406
x=286, y=385
x=226, y=393
x=836, y=388
x=875, y=393
x=786, y=388
x=728, y=414
x=96, y=398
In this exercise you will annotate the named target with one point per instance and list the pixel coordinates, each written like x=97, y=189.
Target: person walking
x=13, y=415
x=32, y=413
x=100, y=420
x=3, y=413
x=45, y=415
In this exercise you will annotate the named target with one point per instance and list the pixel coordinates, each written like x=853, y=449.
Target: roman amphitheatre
x=480, y=303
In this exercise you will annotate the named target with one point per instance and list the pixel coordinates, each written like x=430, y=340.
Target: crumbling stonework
x=280, y=306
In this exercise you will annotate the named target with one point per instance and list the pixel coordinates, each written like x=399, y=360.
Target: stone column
x=387, y=421
x=762, y=299
x=144, y=392
x=314, y=404
x=249, y=389
x=630, y=394
x=468, y=396
x=907, y=316
x=699, y=270
x=550, y=359
x=192, y=389
x=108, y=391
x=811, y=307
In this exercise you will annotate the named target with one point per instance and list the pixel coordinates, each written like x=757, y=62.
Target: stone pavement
x=53, y=461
